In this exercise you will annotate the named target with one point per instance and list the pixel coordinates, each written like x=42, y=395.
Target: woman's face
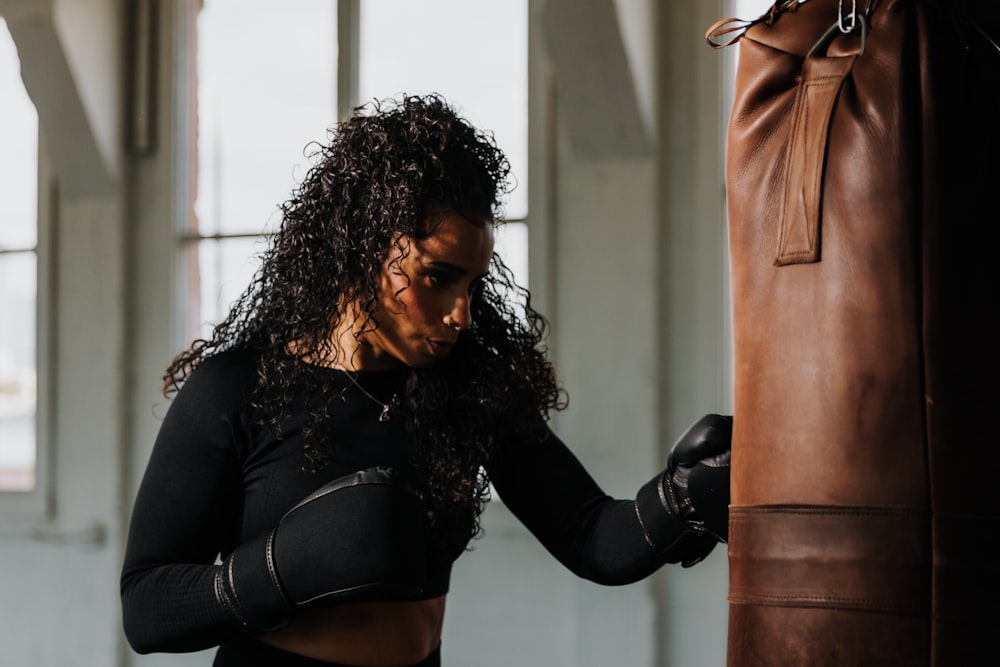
x=425, y=293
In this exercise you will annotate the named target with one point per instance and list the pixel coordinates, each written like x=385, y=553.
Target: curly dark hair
x=385, y=169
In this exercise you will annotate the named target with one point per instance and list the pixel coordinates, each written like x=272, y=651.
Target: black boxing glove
x=666, y=506
x=358, y=538
x=696, y=481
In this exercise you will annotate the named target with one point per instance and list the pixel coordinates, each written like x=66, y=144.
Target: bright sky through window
x=18, y=272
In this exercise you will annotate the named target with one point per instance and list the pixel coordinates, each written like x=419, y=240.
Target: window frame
x=348, y=72
x=37, y=504
x=188, y=239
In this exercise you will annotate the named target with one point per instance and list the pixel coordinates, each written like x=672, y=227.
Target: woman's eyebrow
x=448, y=266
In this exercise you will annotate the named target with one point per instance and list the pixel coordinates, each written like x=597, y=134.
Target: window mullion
x=348, y=55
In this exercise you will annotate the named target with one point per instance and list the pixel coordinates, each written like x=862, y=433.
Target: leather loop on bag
x=799, y=227
x=726, y=32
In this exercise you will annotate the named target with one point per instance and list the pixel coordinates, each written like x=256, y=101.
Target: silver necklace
x=384, y=416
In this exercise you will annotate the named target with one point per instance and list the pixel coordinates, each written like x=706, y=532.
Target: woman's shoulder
x=230, y=373
x=215, y=397
x=234, y=360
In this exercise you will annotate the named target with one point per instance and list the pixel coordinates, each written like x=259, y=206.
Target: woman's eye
x=439, y=279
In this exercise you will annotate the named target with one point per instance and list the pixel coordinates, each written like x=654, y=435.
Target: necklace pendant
x=384, y=417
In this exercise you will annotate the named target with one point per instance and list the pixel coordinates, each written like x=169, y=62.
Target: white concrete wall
x=59, y=581
x=60, y=558
x=627, y=243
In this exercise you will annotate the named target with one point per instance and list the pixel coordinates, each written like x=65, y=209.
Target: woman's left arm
x=600, y=538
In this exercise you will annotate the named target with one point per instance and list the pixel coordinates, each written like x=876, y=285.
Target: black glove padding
x=358, y=538
x=667, y=504
x=696, y=481
x=708, y=491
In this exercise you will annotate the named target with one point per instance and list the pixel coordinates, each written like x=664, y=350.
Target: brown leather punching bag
x=863, y=172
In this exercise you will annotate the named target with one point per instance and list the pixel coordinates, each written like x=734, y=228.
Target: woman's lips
x=439, y=348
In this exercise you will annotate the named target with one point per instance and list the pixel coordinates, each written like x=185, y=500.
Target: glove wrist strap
x=247, y=585
x=669, y=536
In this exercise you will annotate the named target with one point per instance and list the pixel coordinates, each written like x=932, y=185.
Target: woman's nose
x=460, y=316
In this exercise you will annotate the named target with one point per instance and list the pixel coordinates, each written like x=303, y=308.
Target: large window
x=473, y=52
x=267, y=86
x=18, y=273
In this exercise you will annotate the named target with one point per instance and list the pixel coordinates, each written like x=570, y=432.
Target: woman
x=334, y=441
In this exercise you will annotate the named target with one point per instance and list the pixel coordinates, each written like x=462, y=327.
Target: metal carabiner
x=833, y=30
x=847, y=29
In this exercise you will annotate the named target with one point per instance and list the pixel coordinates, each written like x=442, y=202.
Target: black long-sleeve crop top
x=217, y=478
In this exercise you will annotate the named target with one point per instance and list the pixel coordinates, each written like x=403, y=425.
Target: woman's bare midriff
x=367, y=634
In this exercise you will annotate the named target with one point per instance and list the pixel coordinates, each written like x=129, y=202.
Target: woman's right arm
x=187, y=509
x=358, y=538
